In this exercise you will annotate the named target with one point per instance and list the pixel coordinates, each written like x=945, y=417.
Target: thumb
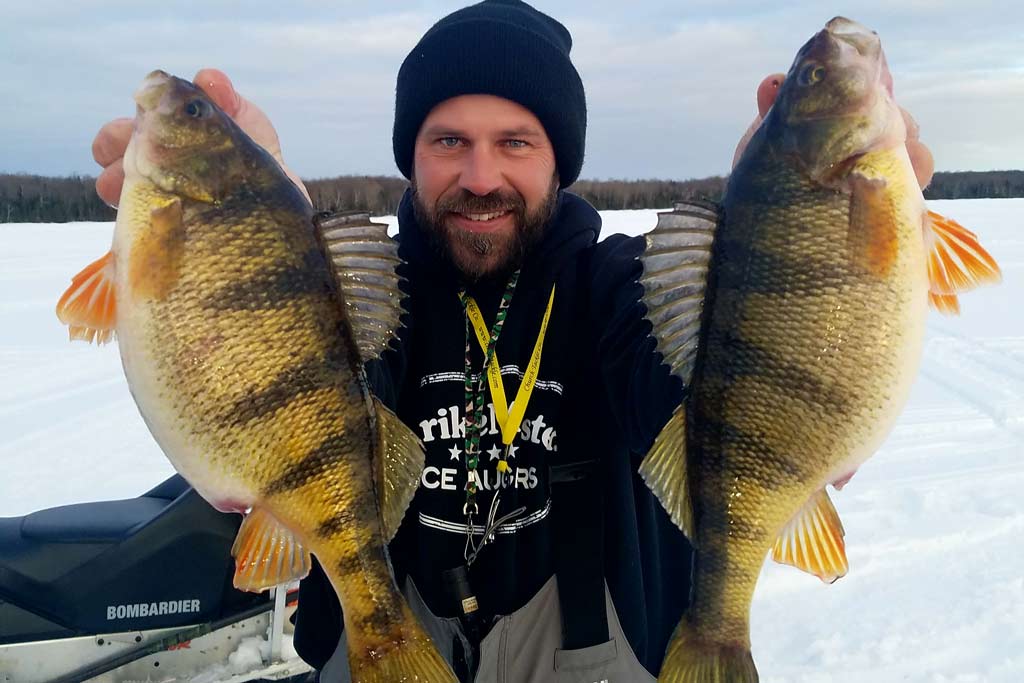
x=217, y=85
x=767, y=91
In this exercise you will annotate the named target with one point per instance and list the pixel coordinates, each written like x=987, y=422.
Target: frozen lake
x=933, y=522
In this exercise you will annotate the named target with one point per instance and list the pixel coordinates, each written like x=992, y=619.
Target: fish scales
x=795, y=320
x=234, y=336
x=318, y=432
x=821, y=265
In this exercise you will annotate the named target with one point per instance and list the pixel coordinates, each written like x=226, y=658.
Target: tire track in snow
x=986, y=378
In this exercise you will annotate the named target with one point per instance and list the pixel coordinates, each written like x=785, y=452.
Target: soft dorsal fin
x=398, y=464
x=665, y=472
x=364, y=260
x=675, y=262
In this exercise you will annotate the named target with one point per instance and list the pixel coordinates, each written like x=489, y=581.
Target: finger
x=922, y=160
x=218, y=86
x=913, y=130
x=109, y=144
x=108, y=185
x=920, y=156
x=745, y=140
x=767, y=91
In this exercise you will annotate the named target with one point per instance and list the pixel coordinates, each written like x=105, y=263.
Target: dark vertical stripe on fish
x=750, y=269
x=311, y=374
x=788, y=378
x=274, y=287
x=721, y=442
x=313, y=464
x=360, y=513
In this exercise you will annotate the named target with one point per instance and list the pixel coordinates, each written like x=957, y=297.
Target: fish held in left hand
x=794, y=313
x=243, y=326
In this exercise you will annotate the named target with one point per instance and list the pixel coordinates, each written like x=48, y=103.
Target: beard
x=485, y=256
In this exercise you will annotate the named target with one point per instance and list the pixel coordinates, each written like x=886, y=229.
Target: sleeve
x=640, y=389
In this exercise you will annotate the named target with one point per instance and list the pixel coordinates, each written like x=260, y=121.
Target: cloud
x=670, y=86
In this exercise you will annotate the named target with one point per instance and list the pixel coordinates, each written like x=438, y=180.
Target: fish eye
x=197, y=109
x=811, y=74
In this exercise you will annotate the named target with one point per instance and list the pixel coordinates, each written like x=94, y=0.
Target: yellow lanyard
x=509, y=422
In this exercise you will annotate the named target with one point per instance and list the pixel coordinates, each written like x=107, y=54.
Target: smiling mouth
x=482, y=217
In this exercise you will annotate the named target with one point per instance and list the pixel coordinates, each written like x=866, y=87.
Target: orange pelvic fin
x=956, y=262
x=89, y=306
x=267, y=554
x=813, y=540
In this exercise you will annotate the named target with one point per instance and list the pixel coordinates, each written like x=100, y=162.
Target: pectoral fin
x=89, y=306
x=664, y=470
x=399, y=464
x=872, y=236
x=813, y=540
x=956, y=262
x=266, y=554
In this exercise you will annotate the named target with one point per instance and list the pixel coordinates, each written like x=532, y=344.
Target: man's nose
x=481, y=173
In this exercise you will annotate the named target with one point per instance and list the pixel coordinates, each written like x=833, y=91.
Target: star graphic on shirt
x=494, y=452
x=455, y=451
x=512, y=451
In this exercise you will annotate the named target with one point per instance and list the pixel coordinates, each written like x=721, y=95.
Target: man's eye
x=516, y=144
x=450, y=142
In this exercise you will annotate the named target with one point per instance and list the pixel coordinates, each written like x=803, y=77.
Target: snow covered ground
x=933, y=522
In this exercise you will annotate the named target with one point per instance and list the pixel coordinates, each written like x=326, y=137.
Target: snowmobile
x=136, y=590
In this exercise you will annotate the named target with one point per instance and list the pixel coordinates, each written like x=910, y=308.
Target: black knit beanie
x=497, y=47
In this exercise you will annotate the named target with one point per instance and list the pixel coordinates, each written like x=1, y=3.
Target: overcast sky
x=670, y=84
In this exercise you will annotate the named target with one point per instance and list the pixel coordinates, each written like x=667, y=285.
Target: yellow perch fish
x=795, y=313
x=243, y=327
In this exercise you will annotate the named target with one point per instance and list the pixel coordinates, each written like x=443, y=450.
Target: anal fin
x=813, y=540
x=267, y=554
x=664, y=470
x=89, y=306
x=399, y=466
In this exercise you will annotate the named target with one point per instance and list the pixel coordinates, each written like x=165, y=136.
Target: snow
x=933, y=522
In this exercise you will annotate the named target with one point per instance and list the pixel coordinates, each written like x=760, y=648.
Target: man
x=532, y=551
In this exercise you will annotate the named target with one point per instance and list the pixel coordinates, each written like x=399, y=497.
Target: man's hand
x=920, y=155
x=112, y=139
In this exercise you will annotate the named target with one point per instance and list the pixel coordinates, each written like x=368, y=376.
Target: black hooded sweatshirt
x=602, y=394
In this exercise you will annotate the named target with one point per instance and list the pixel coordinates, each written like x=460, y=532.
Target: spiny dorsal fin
x=664, y=471
x=267, y=554
x=398, y=465
x=364, y=259
x=675, y=262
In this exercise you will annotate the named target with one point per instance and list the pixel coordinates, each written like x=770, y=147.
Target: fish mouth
x=149, y=94
x=865, y=41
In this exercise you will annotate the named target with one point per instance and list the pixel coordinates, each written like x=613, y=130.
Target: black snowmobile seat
x=104, y=522
x=68, y=564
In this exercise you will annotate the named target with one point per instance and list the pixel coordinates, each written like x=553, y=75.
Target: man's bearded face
x=481, y=254
x=485, y=182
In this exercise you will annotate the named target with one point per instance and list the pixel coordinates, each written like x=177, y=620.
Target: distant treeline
x=41, y=199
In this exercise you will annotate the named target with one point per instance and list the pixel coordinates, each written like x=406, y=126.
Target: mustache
x=467, y=202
